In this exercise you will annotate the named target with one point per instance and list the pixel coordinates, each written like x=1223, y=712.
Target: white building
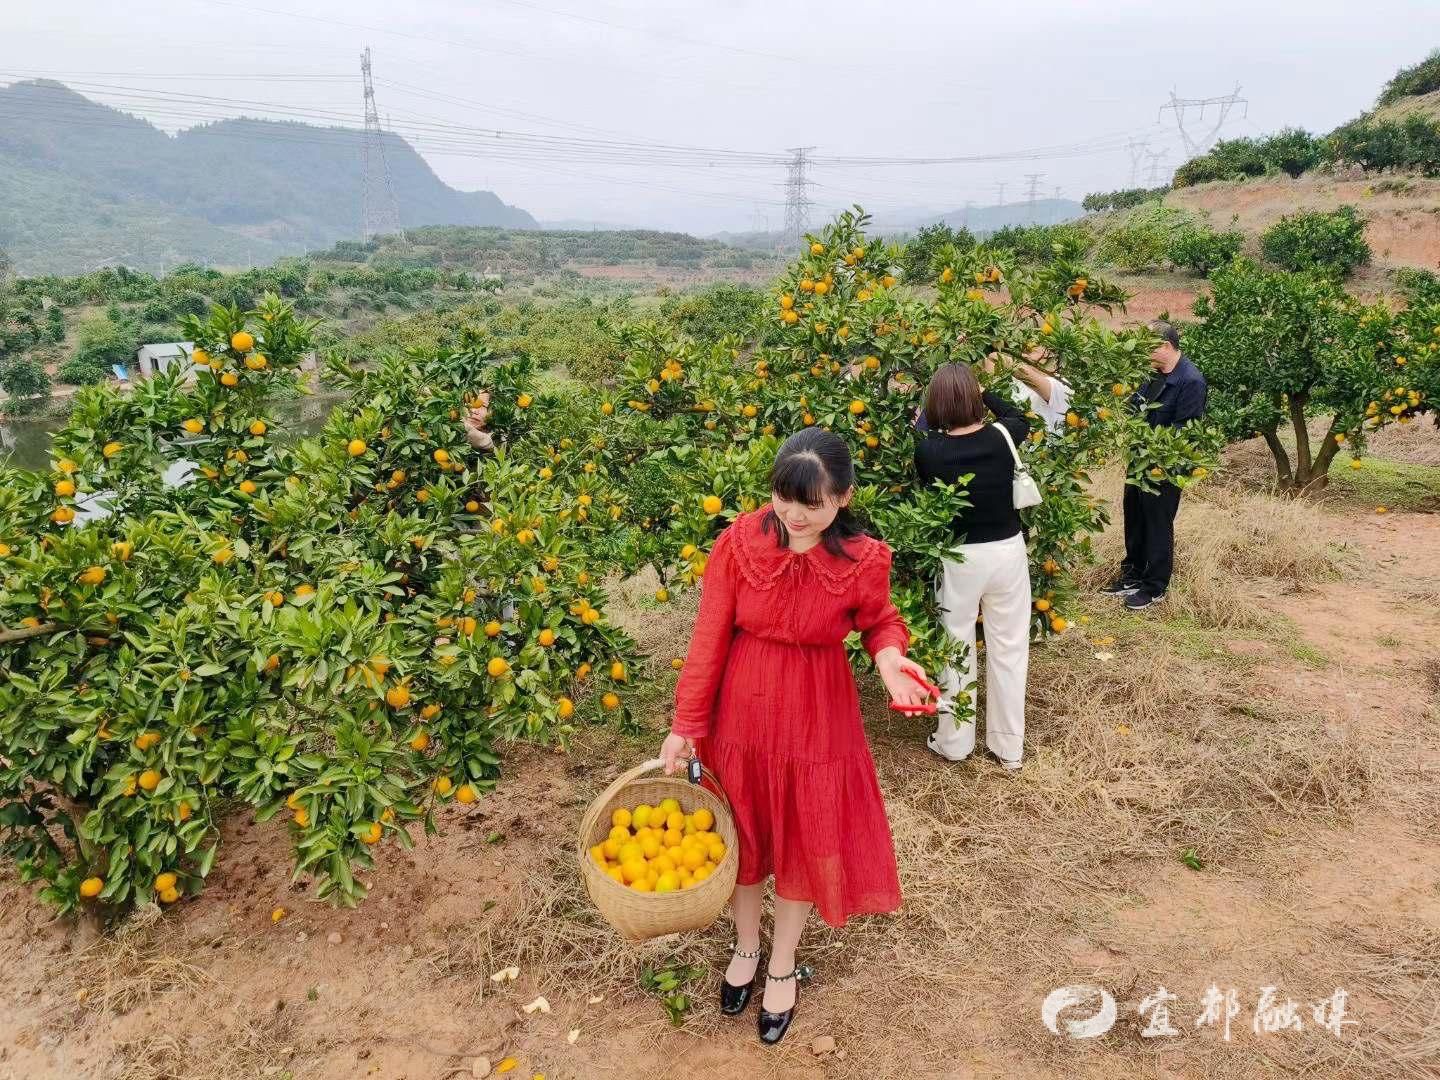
x=154, y=359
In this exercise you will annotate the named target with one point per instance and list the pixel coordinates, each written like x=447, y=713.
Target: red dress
x=768, y=695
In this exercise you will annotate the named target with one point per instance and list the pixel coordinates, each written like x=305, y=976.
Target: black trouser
x=1150, y=537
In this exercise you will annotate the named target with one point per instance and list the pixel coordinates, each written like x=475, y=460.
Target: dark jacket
x=1177, y=397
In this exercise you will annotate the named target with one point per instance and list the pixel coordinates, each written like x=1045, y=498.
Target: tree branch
x=21, y=633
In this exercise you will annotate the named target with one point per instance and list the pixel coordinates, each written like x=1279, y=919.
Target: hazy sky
x=854, y=78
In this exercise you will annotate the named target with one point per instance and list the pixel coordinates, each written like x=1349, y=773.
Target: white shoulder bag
x=1023, y=489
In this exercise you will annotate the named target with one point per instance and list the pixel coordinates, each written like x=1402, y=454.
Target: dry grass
x=138, y=964
x=1133, y=764
x=231, y=1047
x=1399, y=964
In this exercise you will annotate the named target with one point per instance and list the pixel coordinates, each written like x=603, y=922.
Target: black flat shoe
x=735, y=999
x=772, y=1026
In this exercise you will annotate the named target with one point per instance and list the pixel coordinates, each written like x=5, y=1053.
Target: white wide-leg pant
x=993, y=578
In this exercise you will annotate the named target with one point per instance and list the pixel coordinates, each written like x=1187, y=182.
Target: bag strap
x=1004, y=434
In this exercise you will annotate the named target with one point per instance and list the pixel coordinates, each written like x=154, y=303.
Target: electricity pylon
x=1196, y=146
x=797, y=193
x=380, y=212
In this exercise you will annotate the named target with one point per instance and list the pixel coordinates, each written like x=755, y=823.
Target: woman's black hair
x=811, y=465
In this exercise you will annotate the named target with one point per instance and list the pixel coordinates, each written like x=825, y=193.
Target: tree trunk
x=1303, y=461
x=1282, y=460
x=1320, y=474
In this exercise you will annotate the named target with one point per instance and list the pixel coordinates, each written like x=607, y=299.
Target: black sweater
x=983, y=453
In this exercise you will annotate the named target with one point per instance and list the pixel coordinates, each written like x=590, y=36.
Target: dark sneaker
x=1120, y=587
x=1140, y=600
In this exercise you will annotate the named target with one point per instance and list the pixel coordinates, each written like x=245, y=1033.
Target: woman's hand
x=904, y=690
x=475, y=433
x=675, y=750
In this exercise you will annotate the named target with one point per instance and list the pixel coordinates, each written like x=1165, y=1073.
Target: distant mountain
x=83, y=185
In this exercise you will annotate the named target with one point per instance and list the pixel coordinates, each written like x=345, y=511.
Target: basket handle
x=587, y=823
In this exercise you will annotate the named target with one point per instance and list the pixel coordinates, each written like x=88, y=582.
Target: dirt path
x=1299, y=764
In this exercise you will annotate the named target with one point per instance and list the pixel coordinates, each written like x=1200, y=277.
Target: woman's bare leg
x=745, y=905
x=790, y=916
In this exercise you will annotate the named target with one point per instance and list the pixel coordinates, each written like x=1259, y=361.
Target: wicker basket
x=639, y=916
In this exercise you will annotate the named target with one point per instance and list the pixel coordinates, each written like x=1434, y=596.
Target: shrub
x=1291, y=151
x=1202, y=250
x=1041, y=243
x=1123, y=199
x=78, y=371
x=1411, y=144
x=921, y=250
x=24, y=380
x=715, y=311
x=100, y=342
x=1422, y=78
x=1142, y=239
x=1328, y=241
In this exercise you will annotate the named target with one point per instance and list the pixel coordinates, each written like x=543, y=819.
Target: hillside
x=1400, y=213
x=82, y=185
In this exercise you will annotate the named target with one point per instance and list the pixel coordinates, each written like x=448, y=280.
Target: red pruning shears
x=925, y=708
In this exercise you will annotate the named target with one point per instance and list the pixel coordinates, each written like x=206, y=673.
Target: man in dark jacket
x=1174, y=396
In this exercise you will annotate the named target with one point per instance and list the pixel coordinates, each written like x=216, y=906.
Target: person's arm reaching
x=1008, y=417
x=1037, y=380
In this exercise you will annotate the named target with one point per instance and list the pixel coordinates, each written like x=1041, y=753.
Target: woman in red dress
x=768, y=699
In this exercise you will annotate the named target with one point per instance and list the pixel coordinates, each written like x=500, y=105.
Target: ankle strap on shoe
x=801, y=973
x=735, y=951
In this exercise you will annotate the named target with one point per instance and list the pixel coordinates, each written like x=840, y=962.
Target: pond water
x=26, y=444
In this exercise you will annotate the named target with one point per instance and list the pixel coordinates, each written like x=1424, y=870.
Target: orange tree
x=330, y=629
x=343, y=628
x=848, y=345
x=1282, y=349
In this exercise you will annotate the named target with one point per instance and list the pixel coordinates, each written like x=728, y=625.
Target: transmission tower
x=380, y=211
x=1155, y=157
x=1223, y=105
x=1000, y=193
x=1138, y=149
x=797, y=193
x=1032, y=190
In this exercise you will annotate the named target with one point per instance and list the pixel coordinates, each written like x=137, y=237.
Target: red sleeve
x=709, y=644
x=876, y=617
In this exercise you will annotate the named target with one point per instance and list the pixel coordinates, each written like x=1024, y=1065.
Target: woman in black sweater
x=989, y=570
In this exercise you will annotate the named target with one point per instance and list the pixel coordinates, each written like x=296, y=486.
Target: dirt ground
x=1240, y=792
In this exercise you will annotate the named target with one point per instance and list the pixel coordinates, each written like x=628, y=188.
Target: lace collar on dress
x=763, y=561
